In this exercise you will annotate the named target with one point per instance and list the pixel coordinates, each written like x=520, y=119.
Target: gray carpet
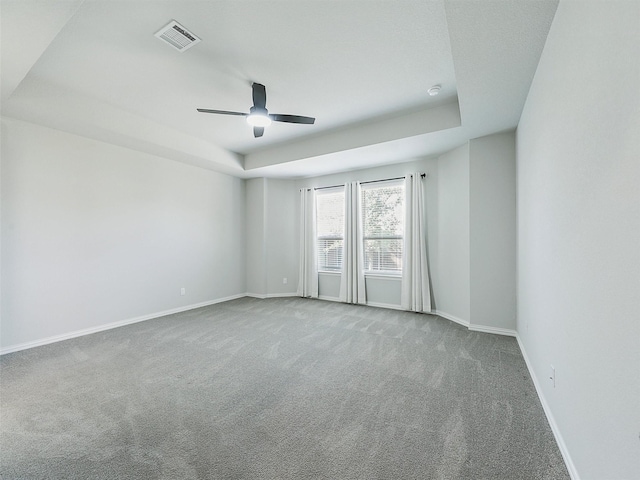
x=275, y=389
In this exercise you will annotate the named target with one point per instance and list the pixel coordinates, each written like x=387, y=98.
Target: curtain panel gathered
x=308, y=270
x=416, y=289
x=352, y=286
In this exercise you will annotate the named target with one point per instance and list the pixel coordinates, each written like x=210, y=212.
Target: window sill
x=376, y=275
x=383, y=276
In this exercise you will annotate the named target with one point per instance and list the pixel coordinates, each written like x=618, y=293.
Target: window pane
x=330, y=213
x=330, y=254
x=383, y=223
x=383, y=210
x=383, y=254
x=330, y=228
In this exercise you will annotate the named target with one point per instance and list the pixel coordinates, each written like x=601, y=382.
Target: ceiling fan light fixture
x=258, y=116
x=258, y=120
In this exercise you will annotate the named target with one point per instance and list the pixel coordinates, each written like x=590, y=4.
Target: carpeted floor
x=276, y=389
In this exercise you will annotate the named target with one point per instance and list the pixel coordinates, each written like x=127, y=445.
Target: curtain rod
x=383, y=180
x=330, y=186
x=422, y=175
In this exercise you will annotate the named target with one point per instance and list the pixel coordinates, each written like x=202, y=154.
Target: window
x=383, y=222
x=330, y=228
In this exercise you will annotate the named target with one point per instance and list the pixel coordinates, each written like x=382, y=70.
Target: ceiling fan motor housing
x=258, y=111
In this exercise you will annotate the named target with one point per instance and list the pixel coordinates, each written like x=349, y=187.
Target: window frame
x=381, y=184
x=323, y=268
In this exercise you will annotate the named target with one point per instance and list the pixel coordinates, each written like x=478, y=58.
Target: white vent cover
x=177, y=36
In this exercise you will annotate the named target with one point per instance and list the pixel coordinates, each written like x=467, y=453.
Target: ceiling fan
x=258, y=116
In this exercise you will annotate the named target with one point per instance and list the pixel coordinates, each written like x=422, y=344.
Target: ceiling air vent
x=177, y=36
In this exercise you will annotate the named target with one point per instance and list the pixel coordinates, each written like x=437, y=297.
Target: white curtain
x=308, y=274
x=352, y=287
x=416, y=291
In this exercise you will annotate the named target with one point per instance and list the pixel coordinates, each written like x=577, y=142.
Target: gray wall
x=474, y=281
x=272, y=237
x=282, y=236
x=452, y=283
x=578, y=149
x=492, y=217
x=94, y=234
x=256, y=253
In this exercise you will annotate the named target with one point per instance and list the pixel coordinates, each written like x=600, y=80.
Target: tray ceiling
x=362, y=68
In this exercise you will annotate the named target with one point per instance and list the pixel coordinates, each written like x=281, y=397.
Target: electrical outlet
x=553, y=376
x=284, y=281
x=183, y=291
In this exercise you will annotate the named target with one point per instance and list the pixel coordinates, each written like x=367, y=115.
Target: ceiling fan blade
x=258, y=131
x=279, y=117
x=259, y=95
x=223, y=112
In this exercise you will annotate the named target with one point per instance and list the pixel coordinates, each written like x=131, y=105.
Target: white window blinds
x=330, y=228
x=383, y=225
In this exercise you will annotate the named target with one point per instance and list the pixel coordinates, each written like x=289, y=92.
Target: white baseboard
x=476, y=328
x=464, y=323
x=494, y=330
x=368, y=304
x=109, y=326
x=453, y=318
x=573, y=473
x=329, y=299
x=390, y=306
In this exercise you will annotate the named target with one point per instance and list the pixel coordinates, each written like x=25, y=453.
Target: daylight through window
x=330, y=228
x=383, y=221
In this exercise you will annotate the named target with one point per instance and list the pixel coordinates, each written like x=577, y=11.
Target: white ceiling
x=361, y=67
